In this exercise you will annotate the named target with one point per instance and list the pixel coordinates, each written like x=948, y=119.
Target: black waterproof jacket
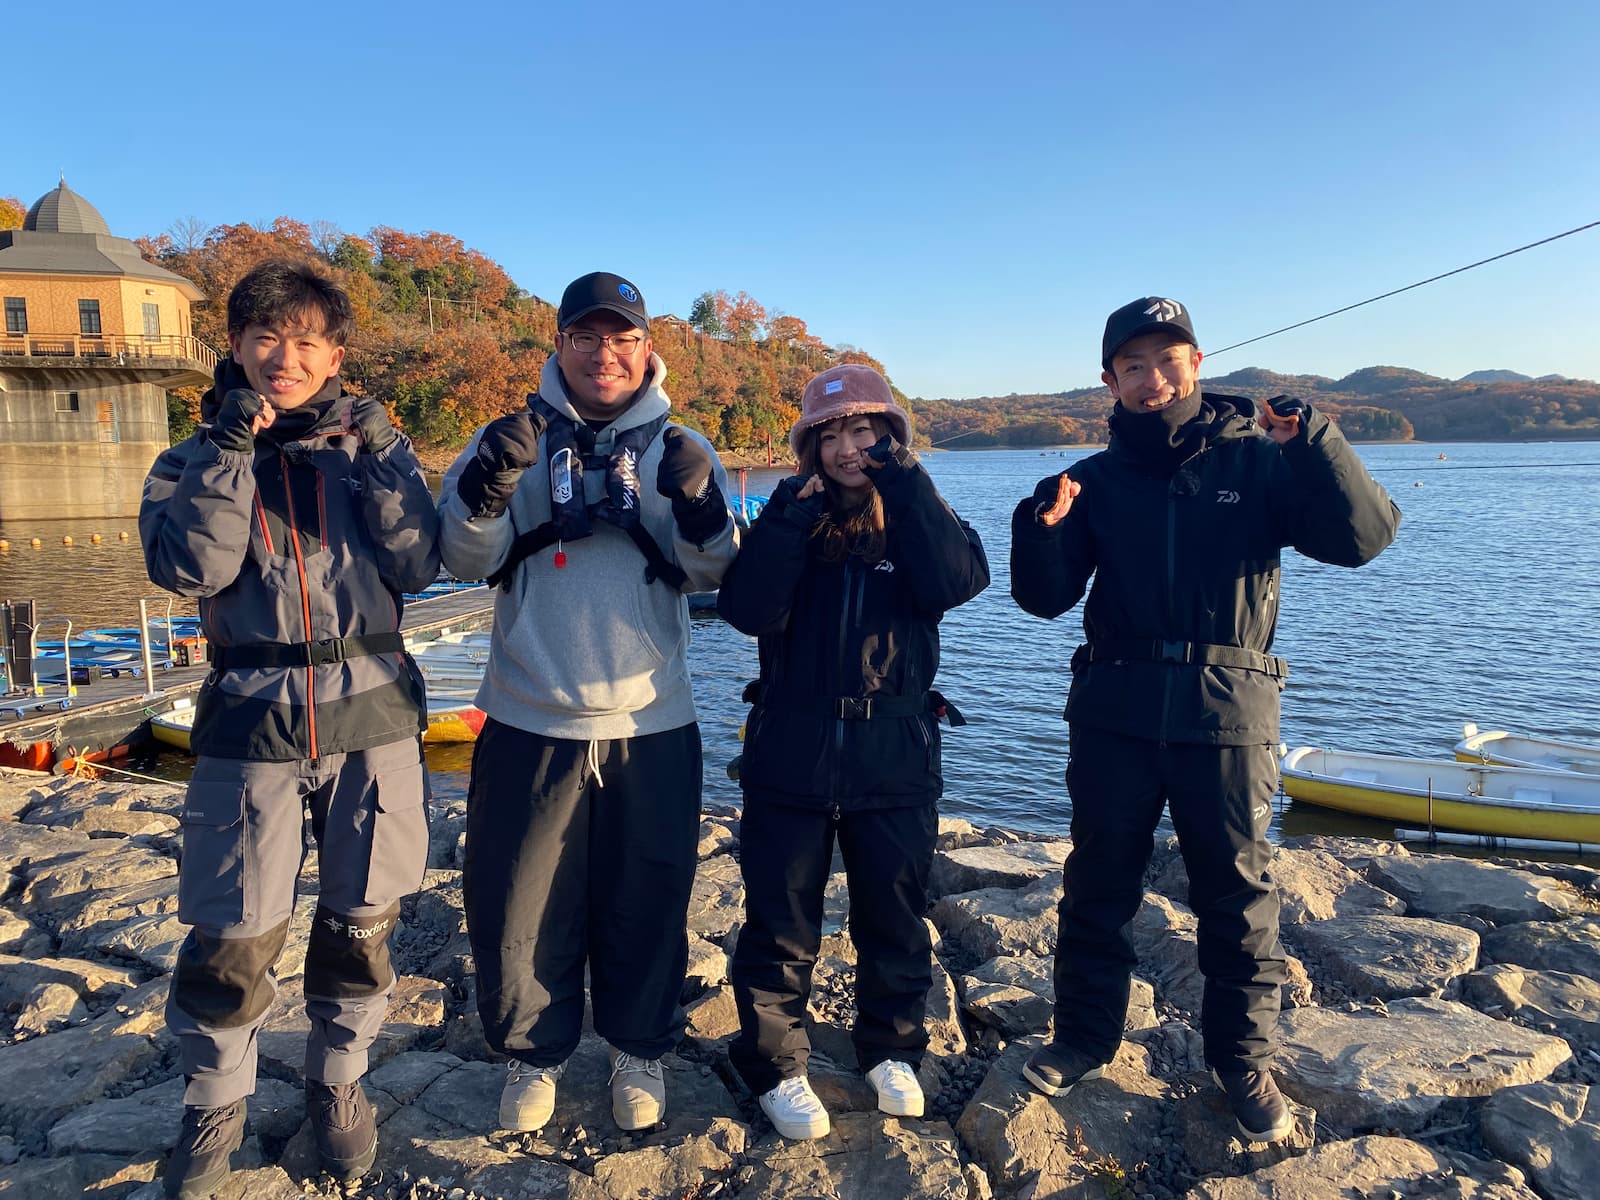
x=308, y=539
x=1189, y=559
x=835, y=635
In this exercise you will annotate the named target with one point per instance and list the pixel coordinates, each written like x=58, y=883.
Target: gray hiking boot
x=199, y=1163
x=345, y=1126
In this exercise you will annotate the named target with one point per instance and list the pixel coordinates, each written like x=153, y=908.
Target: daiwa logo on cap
x=627, y=293
x=832, y=386
x=1165, y=310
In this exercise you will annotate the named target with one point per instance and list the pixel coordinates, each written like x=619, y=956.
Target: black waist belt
x=303, y=654
x=856, y=708
x=1183, y=653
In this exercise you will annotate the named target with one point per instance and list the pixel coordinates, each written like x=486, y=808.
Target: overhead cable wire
x=1407, y=288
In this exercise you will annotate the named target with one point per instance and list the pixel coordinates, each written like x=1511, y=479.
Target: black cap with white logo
x=602, y=289
x=1149, y=314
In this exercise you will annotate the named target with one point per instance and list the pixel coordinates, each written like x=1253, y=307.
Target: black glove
x=785, y=499
x=233, y=426
x=888, y=458
x=685, y=477
x=372, y=421
x=508, y=447
x=1287, y=406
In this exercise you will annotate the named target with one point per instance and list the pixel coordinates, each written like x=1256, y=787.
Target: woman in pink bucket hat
x=843, y=579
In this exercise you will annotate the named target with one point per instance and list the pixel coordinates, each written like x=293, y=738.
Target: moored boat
x=1472, y=797
x=452, y=719
x=1497, y=747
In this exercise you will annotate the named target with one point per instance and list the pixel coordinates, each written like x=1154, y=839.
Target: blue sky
x=962, y=191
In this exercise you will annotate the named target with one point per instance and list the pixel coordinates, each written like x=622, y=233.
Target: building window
x=16, y=314
x=66, y=402
x=89, y=317
x=152, y=321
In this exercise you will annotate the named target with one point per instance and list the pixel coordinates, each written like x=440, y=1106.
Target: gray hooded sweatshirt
x=589, y=650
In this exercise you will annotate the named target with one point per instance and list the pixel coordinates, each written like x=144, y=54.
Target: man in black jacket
x=1174, y=697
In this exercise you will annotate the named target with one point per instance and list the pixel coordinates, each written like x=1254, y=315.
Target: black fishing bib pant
x=581, y=852
x=1219, y=798
x=785, y=854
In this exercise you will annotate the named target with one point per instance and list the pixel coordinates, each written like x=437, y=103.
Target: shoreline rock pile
x=1441, y=1036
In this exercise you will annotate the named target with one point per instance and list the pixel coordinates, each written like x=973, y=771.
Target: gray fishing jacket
x=304, y=541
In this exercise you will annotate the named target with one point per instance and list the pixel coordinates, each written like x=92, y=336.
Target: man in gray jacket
x=595, y=516
x=297, y=516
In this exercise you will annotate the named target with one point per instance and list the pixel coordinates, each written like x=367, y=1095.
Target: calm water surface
x=1485, y=609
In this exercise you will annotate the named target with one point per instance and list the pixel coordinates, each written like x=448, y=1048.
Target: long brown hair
x=850, y=527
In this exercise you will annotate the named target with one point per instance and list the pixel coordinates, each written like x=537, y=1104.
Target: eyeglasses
x=620, y=344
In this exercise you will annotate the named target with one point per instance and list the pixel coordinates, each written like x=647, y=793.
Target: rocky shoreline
x=1441, y=1034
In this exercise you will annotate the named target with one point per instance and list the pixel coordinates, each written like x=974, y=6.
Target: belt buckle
x=321, y=653
x=1176, y=652
x=853, y=708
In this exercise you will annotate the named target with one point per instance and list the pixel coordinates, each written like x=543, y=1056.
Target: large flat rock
x=1014, y=865
x=1382, y=957
x=1548, y=946
x=1313, y=885
x=866, y=1156
x=1385, y=1167
x=1551, y=1131
x=1557, y=1002
x=1392, y=1068
x=48, y=1077
x=1445, y=887
x=1020, y=1136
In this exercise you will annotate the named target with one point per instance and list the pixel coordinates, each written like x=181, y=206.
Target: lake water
x=1485, y=609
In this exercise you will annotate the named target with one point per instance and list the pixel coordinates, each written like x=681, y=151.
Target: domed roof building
x=92, y=338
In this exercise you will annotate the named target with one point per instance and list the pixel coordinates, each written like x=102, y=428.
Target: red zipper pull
x=561, y=556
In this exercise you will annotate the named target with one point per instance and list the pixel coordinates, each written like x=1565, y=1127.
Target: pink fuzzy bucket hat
x=848, y=390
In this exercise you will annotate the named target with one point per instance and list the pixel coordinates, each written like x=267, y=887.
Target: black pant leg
x=525, y=890
x=1115, y=786
x=888, y=856
x=644, y=831
x=1220, y=799
x=784, y=856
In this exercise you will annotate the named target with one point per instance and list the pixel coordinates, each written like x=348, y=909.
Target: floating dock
x=105, y=716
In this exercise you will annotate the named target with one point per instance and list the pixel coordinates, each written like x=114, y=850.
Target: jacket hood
x=650, y=403
x=318, y=417
x=1220, y=418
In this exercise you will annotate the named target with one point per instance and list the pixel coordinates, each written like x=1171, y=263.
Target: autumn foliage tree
x=12, y=212
x=448, y=341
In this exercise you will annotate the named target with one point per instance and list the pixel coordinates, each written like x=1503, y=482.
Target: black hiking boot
x=1055, y=1069
x=345, y=1127
x=199, y=1164
x=1258, y=1107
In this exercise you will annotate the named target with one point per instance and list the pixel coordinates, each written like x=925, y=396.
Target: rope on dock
x=88, y=770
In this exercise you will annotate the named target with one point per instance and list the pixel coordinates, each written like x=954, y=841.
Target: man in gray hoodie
x=594, y=516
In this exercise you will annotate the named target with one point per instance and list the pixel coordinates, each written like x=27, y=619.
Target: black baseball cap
x=602, y=289
x=1148, y=314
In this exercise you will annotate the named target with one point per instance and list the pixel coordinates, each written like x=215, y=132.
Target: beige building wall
x=53, y=303
x=172, y=307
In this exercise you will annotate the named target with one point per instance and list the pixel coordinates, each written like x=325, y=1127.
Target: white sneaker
x=529, y=1096
x=795, y=1111
x=638, y=1091
x=899, y=1093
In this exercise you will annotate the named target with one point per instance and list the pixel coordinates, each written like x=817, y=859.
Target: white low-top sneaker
x=899, y=1093
x=795, y=1111
x=529, y=1097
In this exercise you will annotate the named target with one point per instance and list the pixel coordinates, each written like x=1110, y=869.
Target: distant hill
x=1373, y=404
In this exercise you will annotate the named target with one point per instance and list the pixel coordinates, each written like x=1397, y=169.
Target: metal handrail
x=66, y=657
x=107, y=348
